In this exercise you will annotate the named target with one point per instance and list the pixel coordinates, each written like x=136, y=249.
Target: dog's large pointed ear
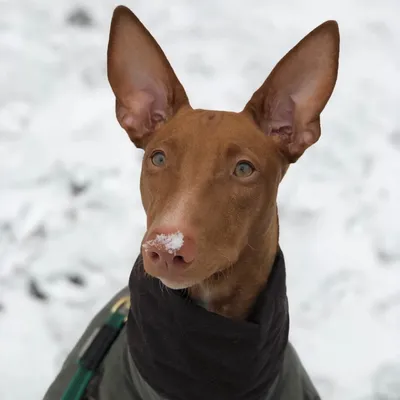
x=288, y=104
x=146, y=88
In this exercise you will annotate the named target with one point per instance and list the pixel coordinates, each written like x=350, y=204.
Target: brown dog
x=209, y=185
x=214, y=175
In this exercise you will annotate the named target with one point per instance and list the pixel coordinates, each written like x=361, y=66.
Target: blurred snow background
x=70, y=212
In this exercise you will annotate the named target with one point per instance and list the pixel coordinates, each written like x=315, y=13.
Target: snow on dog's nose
x=169, y=249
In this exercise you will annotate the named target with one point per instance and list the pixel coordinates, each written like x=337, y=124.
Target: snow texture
x=171, y=242
x=71, y=219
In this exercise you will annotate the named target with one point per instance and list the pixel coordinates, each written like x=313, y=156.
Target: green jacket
x=120, y=379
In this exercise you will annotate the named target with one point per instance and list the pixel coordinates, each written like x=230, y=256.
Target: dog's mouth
x=171, y=278
x=186, y=278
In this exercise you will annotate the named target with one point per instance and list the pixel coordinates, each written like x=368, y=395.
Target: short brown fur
x=232, y=219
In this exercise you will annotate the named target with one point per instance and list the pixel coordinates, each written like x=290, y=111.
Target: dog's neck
x=233, y=292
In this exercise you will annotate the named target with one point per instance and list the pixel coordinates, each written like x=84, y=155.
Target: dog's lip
x=166, y=272
x=174, y=278
x=174, y=281
x=173, y=285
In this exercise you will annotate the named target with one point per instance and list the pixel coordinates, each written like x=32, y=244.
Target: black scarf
x=185, y=352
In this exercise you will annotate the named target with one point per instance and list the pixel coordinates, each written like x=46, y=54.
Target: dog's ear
x=288, y=104
x=146, y=88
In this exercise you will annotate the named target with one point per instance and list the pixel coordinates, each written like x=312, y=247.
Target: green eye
x=158, y=158
x=243, y=169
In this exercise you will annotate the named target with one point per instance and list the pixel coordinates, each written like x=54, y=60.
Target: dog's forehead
x=210, y=128
x=223, y=123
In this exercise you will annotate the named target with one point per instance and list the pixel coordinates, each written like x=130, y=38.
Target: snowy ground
x=70, y=213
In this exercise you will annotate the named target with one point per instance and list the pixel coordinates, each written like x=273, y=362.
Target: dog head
x=210, y=178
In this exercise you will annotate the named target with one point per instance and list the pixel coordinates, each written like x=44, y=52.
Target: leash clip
x=124, y=303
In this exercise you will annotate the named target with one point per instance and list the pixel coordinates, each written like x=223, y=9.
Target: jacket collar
x=185, y=352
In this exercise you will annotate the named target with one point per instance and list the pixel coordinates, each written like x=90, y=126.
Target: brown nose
x=169, y=248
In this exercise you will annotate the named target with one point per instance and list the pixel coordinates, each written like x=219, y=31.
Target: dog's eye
x=243, y=169
x=158, y=158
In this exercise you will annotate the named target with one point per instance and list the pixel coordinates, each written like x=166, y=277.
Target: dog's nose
x=169, y=248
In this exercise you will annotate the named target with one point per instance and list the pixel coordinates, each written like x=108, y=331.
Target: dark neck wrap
x=185, y=352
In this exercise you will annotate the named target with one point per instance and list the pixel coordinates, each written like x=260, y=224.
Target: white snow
x=71, y=219
x=172, y=242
